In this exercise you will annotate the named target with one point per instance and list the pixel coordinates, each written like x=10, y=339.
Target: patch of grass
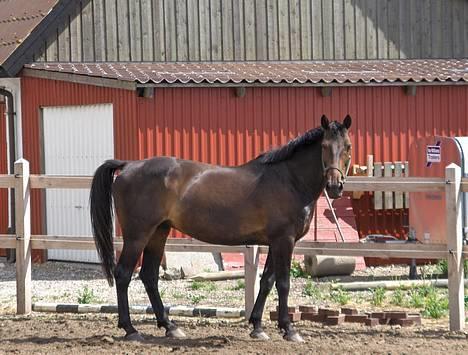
x=196, y=299
x=398, y=297
x=177, y=295
x=378, y=296
x=240, y=285
x=86, y=296
x=311, y=289
x=203, y=285
x=297, y=269
x=435, y=306
x=418, y=295
x=339, y=295
x=442, y=267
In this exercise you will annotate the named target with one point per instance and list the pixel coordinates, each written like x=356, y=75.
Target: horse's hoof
x=134, y=337
x=175, y=333
x=295, y=337
x=259, y=335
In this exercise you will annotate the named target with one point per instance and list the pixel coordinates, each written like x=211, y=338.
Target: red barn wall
x=215, y=126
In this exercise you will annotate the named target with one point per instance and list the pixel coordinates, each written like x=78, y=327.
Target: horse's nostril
x=328, y=185
x=341, y=186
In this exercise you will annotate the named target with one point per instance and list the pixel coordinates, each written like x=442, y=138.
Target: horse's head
x=336, y=154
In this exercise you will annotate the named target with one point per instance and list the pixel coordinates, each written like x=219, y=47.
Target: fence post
x=252, y=281
x=454, y=244
x=23, y=235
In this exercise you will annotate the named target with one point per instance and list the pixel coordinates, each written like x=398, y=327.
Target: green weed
x=398, y=296
x=435, y=306
x=240, y=285
x=203, y=285
x=339, y=295
x=312, y=290
x=297, y=269
x=196, y=299
x=86, y=296
x=378, y=296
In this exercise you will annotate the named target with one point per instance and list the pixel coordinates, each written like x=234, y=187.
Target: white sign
x=433, y=154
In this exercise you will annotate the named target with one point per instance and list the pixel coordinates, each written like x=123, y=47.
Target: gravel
x=61, y=282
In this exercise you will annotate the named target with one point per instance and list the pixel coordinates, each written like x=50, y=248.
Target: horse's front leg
x=266, y=284
x=282, y=249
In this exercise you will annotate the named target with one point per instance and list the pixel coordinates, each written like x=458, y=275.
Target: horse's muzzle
x=334, y=190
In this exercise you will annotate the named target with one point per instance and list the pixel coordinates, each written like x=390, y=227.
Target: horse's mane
x=286, y=151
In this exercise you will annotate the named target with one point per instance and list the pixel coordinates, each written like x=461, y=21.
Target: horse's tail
x=102, y=213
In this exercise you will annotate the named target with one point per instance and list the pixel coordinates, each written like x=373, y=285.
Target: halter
x=343, y=176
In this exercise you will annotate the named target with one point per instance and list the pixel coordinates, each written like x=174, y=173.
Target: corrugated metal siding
x=3, y=170
x=215, y=126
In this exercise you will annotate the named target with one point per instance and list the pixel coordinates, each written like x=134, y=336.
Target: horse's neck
x=306, y=172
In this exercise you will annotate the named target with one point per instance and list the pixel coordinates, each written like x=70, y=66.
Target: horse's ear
x=325, y=122
x=347, y=121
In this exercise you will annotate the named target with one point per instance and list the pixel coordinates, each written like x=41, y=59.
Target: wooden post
x=252, y=280
x=23, y=235
x=388, y=201
x=378, y=195
x=454, y=245
x=398, y=195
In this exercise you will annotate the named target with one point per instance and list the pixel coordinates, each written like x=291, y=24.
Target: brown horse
x=267, y=201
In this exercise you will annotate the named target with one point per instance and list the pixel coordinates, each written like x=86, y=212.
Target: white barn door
x=77, y=139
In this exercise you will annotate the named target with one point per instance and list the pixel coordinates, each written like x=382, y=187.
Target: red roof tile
x=356, y=71
x=18, y=19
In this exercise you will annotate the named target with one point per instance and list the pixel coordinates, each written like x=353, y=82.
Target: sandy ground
x=59, y=333
x=42, y=333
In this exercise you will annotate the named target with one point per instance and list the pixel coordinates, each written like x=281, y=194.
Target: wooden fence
x=453, y=251
x=385, y=199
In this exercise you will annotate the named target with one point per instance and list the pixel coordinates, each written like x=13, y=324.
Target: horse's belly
x=219, y=228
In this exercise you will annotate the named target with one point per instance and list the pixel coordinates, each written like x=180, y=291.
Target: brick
x=313, y=317
x=384, y=321
x=371, y=322
x=396, y=314
x=378, y=315
x=404, y=322
x=350, y=311
x=291, y=309
x=356, y=318
x=293, y=316
x=334, y=320
x=415, y=318
x=329, y=312
x=308, y=309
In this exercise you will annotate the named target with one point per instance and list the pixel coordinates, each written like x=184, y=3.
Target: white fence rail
x=453, y=251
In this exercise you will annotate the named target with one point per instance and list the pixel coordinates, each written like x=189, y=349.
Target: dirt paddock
x=98, y=334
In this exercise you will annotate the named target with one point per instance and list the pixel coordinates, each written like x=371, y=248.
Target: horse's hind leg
x=266, y=284
x=149, y=275
x=123, y=273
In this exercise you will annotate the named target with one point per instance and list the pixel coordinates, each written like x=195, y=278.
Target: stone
x=356, y=318
x=350, y=311
x=308, y=309
x=334, y=320
x=371, y=322
x=328, y=312
x=172, y=274
x=293, y=316
x=313, y=317
x=291, y=309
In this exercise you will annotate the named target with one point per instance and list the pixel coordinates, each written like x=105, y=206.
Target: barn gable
x=263, y=30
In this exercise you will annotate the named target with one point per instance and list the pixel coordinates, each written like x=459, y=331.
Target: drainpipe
x=11, y=254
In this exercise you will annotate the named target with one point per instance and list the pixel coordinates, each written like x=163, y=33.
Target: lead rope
x=340, y=232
